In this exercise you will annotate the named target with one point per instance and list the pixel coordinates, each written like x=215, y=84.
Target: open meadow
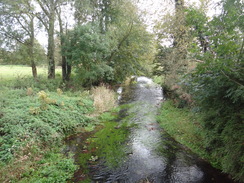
x=12, y=72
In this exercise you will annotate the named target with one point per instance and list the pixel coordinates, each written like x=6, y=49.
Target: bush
x=59, y=169
x=219, y=93
x=99, y=73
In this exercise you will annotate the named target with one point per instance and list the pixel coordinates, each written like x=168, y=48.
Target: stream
x=151, y=154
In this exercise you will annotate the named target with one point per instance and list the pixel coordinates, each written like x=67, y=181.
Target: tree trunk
x=68, y=74
x=31, y=47
x=66, y=68
x=51, y=46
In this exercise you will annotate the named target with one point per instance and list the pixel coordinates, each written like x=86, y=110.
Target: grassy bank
x=33, y=123
x=185, y=127
x=35, y=117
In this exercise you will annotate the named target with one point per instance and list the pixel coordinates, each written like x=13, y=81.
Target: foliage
x=134, y=50
x=86, y=48
x=108, y=49
x=171, y=61
x=217, y=84
x=17, y=13
x=33, y=122
x=214, y=52
x=21, y=55
x=49, y=166
x=59, y=169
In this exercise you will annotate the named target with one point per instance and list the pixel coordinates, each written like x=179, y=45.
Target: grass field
x=12, y=72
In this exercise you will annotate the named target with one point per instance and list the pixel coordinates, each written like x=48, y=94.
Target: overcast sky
x=156, y=9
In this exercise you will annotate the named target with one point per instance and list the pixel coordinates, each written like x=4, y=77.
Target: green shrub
x=52, y=168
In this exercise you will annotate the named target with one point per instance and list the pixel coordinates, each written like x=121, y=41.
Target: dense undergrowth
x=33, y=123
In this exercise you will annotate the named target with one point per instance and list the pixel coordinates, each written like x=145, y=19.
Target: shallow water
x=152, y=155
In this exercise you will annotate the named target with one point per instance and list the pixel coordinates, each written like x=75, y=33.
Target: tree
x=85, y=47
x=22, y=55
x=171, y=61
x=119, y=40
x=66, y=66
x=17, y=23
x=47, y=18
x=102, y=11
x=217, y=83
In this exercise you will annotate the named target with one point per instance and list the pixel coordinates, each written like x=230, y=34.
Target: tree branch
x=121, y=42
x=42, y=21
x=22, y=26
x=43, y=8
x=230, y=78
x=7, y=34
x=239, y=58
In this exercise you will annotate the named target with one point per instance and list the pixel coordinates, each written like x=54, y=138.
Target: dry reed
x=104, y=99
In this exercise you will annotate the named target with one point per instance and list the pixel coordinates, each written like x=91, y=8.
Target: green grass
x=185, y=127
x=12, y=72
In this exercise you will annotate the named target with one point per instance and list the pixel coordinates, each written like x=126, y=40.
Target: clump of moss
x=107, y=145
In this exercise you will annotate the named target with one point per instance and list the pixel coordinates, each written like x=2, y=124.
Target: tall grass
x=104, y=99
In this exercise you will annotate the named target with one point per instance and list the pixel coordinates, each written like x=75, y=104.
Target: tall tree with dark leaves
x=112, y=36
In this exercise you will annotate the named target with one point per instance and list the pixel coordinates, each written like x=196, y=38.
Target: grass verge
x=185, y=127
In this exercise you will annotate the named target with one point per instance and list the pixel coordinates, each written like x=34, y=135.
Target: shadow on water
x=151, y=154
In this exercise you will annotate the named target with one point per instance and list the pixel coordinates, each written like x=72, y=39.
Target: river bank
x=148, y=154
x=35, y=117
x=185, y=126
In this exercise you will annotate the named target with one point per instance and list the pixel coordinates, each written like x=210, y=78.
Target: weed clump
x=104, y=99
